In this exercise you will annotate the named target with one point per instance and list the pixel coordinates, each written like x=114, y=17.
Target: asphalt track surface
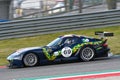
x=112, y=63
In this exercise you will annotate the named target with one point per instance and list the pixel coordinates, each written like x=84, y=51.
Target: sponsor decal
x=85, y=40
x=47, y=54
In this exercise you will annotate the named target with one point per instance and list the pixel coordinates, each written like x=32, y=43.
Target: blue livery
x=63, y=48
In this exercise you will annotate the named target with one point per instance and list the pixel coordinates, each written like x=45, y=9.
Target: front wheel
x=87, y=53
x=30, y=59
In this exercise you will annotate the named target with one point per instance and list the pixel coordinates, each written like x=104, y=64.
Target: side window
x=68, y=41
x=71, y=40
x=75, y=40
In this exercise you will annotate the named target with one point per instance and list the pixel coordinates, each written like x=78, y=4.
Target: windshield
x=55, y=42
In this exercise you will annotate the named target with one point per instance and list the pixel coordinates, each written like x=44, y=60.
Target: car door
x=69, y=43
x=64, y=50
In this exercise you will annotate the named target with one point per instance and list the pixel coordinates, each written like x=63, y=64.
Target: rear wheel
x=30, y=59
x=87, y=53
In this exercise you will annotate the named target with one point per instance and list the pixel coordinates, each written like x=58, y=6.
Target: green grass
x=10, y=45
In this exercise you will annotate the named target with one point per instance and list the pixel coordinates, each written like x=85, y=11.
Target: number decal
x=66, y=52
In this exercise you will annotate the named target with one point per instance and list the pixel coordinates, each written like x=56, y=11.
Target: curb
x=1, y=67
x=94, y=76
x=78, y=76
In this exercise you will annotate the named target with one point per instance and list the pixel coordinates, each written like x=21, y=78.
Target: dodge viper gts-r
x=63, y=48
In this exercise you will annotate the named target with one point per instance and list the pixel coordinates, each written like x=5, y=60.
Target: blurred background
x=41, y=8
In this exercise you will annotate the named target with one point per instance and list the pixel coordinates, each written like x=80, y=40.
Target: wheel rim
x=30, y=59
x=87, y=53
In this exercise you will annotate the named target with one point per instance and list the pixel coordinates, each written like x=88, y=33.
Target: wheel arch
x=87, y=46
x=31, y=52
x=80, y=50
x=38, y=57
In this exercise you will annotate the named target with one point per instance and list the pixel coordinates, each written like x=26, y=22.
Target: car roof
x=71, y=35
x=74, y=35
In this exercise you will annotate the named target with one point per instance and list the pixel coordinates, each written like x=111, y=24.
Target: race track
x=61, y=69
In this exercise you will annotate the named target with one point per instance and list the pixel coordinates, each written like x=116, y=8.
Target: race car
x=63, y=48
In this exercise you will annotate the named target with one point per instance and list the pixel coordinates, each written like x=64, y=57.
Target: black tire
x=87, y=53
x=30, y=59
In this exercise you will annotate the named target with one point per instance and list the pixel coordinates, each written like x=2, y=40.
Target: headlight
x=18, y=57
x=15, y=55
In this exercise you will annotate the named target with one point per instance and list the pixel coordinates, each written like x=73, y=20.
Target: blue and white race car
x=63, y=48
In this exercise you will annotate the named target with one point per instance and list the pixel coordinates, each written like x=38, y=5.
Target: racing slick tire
x=30, y=59
x=87, y=53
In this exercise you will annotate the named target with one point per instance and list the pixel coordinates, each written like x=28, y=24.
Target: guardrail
x=31, y=27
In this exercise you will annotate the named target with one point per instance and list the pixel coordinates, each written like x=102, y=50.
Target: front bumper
x=103, y=52
x=15, y=63
x=110, y=54
x=15, y=60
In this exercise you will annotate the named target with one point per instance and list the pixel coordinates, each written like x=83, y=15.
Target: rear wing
x=103, y=34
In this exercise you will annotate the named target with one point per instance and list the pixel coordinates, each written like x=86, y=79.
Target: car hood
x=23, y=50
x=27, y=49
x=18, y=54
